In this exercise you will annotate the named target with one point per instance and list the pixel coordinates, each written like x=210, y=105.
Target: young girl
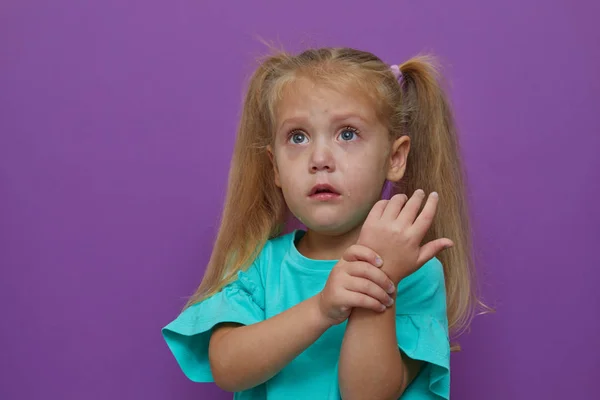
x=357, y=306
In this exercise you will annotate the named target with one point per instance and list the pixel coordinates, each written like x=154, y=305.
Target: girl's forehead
x=304, y=92
x=306, y=87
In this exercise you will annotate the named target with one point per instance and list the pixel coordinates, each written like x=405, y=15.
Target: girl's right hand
x=355, y=281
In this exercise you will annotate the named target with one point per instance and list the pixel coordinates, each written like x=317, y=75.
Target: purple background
x=116, y=129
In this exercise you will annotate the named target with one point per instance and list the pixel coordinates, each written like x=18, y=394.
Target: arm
x=371, y=365
x=242, y=357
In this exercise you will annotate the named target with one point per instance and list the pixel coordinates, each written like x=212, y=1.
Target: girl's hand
x=355, y=281
x=394, y=231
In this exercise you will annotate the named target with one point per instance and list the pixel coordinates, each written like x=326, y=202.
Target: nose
x=322, y=159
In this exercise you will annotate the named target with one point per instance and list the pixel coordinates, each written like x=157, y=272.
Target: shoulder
x=278, y=246
x=272, y=252
x=281, y=242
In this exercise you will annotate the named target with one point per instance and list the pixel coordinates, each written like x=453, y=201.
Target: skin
x=332, y=137
x=324, y=136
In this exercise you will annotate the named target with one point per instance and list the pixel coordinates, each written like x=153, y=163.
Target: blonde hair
x=255, y=210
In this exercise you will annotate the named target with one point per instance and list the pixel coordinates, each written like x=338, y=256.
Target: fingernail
x=420, y=192
x=434, y=195
x=448, y=246
x=382, y=307
x=390, y=302
x=391, y=288
x=378, y=261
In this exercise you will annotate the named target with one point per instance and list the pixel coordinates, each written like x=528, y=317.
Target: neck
x=321, y=246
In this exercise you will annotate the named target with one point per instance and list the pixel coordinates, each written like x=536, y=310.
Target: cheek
x=288, y=175
x=365, y=170
x=289, y=160
x=364, y=183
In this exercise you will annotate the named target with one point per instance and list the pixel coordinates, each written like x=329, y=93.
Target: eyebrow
x=342, y=117
x=294, y=120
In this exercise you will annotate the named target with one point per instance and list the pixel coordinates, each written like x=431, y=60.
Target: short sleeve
x=422, y=330
x=188, y=336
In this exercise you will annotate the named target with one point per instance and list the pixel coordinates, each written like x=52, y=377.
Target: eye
x=298, y=137
x=348, y=134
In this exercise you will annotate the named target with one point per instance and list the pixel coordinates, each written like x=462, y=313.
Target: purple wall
x=116, y=128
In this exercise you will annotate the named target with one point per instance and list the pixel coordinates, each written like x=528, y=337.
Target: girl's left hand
x=395, y=232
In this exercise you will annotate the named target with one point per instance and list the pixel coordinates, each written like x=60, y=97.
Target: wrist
x=318, y=318
x=393, y=274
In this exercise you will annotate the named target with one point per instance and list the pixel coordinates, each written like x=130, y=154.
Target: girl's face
x=331, y=156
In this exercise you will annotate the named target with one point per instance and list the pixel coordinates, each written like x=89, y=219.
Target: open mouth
x=323, y=192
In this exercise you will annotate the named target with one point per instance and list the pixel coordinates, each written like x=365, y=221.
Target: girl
x=357, y=306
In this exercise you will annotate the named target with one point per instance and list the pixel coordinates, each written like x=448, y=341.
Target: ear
x=274, y=164
x=398, y=157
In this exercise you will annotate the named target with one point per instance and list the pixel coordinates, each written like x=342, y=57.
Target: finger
x=394, y=206
x=365, y=286
x=425, y=219
x=378, y=209
x=358, y=252
x=431, y=249
x=411, y=208
x=367, y=271
x=360, y=300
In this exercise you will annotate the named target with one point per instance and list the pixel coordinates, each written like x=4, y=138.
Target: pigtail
x=254, y=207
x=434, y=165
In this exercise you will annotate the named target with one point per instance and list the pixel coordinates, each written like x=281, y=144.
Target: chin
x=329, y=226
x=328, y=221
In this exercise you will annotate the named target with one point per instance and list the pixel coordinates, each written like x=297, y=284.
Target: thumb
x=432, y=249
x=358, y=252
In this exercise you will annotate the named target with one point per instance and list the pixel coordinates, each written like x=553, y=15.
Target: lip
x=323, y=191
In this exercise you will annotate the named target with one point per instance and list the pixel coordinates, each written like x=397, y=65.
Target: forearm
x=370, y=364
x=246, y=356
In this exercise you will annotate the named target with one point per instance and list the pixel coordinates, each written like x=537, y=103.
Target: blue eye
x=298, y=138
x=348, y=134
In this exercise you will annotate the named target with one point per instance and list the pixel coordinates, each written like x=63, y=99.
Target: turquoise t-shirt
x=280, y=278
